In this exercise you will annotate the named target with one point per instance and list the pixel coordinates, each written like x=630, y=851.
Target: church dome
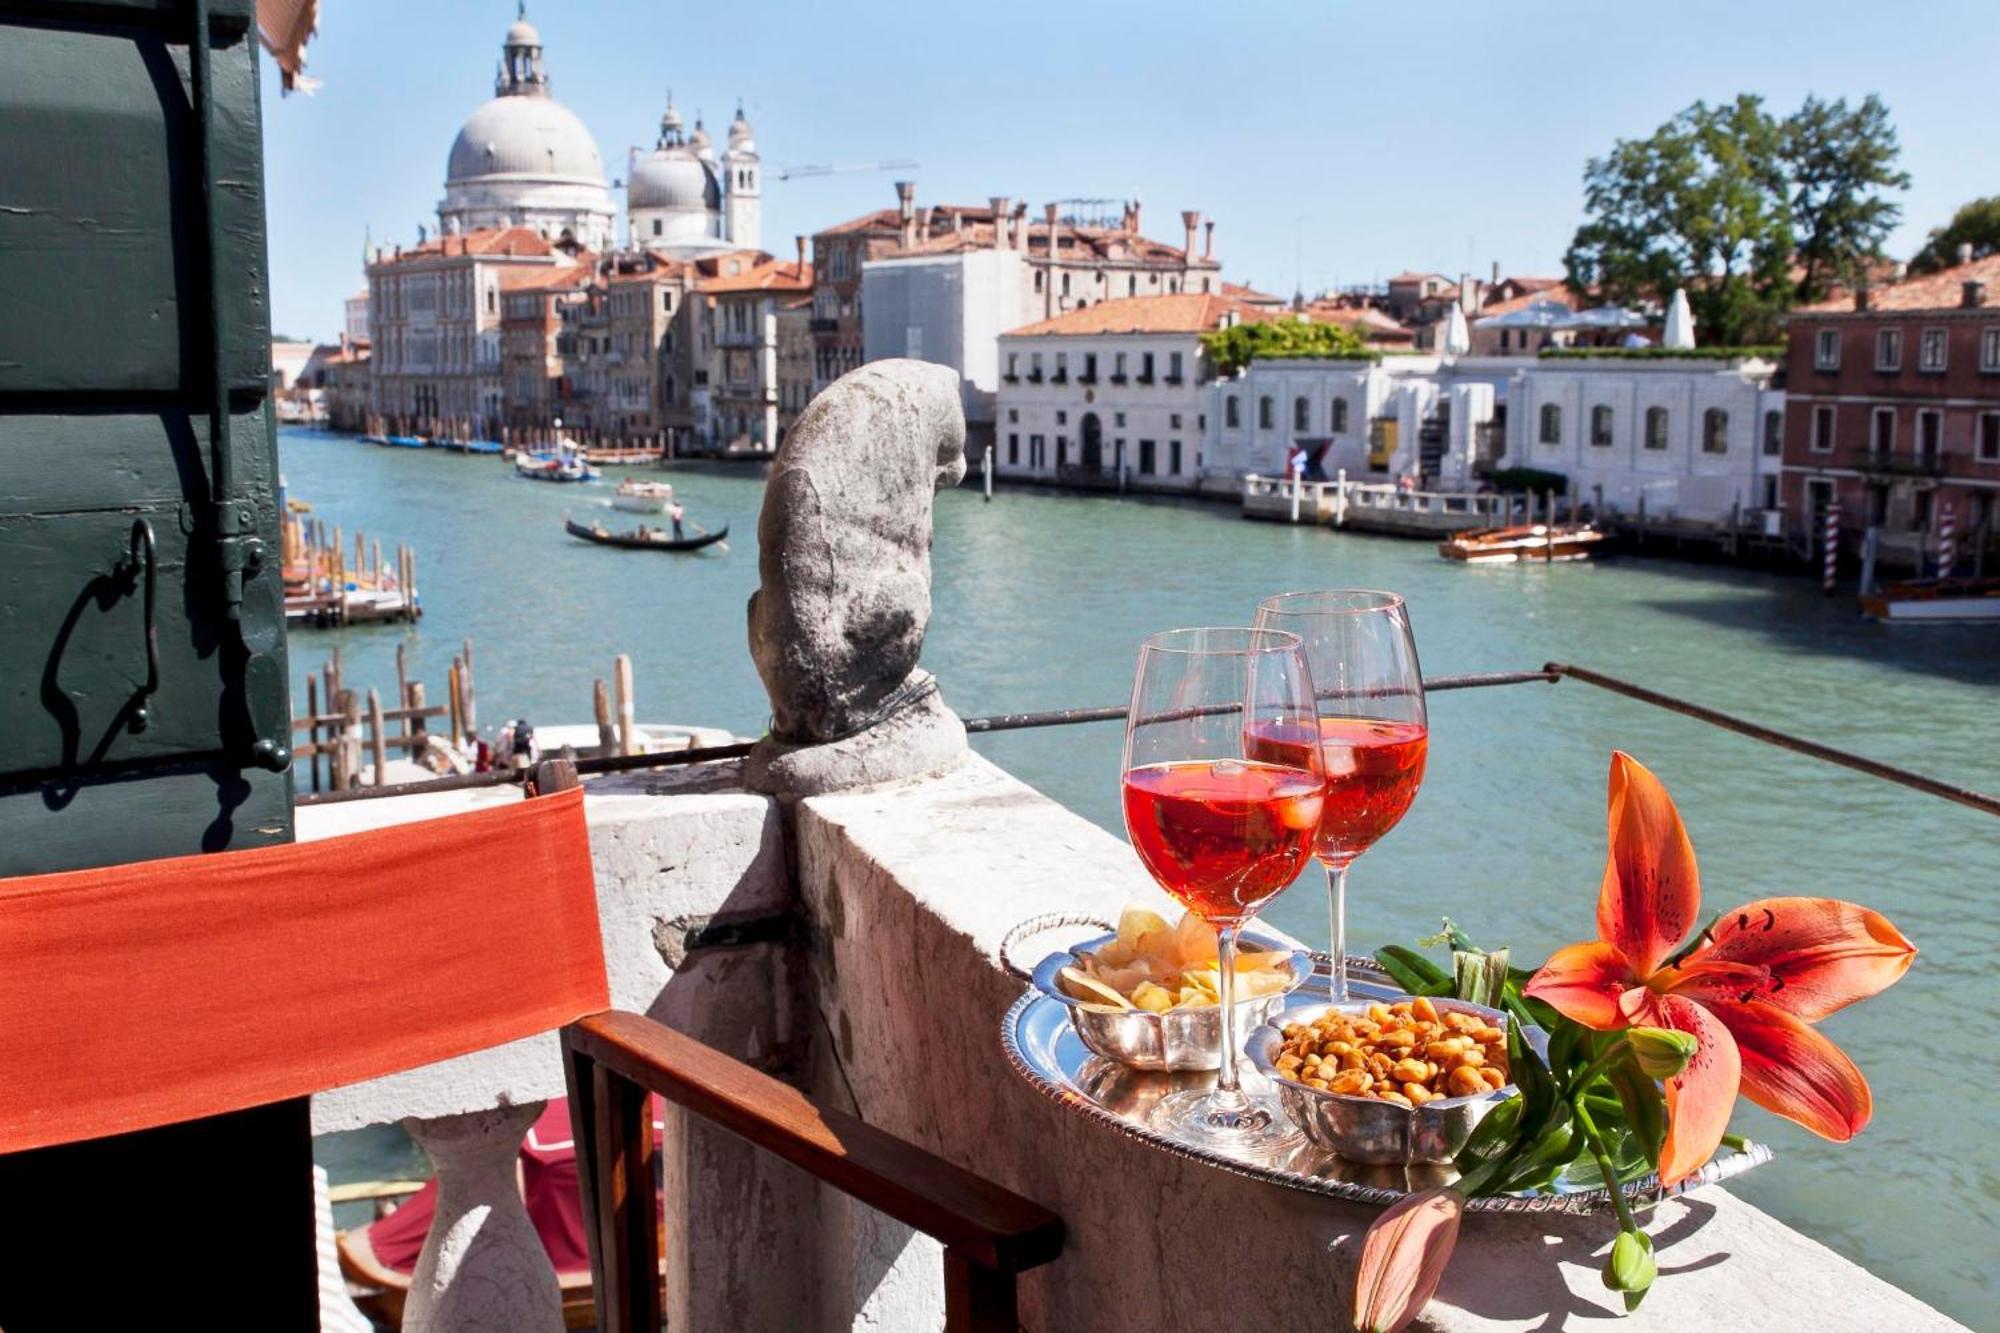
x=703, y=147
x=673, y=178
x=524, y=136
x=740, y=134
x=523, y=34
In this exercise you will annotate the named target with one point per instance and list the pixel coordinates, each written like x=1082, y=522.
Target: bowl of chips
x=1389, y=1081
x=1148, y=994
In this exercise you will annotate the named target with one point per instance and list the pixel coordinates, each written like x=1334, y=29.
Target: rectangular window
x=1821, y=441
x=1089, y=367
x=1232, y=417
x=1145, y=458
x=1035, y=446
x=1034, y=367
x=1930, y=438
x=1118, y=368
x=1062, y=368
x=1174, y=420
x=1301, y=415
x=1882, y=433
x=1117, y=418
x=1656, y=428
x=1013, y=367
x=1600, y=426
x=1062, y=418
x=1826, y=350
x=1989, y=351
x=1774, y=434
x=1989, y=437
x=1174, y=453
x=1145, y=368
x=1715, y=431
x=1888, y=349
x=1266, y=413
x=1552, y=424
x=1013, y=449
x=1338, y=422
x=1173, y=367
x=1013, y=415
x=1931, y=351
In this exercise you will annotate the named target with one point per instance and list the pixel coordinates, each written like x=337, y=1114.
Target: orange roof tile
x=1240, y=292
x=1933, y=291
x=1183, y=312
x=769, y=276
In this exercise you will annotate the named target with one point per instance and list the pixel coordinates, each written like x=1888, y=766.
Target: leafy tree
x=1749, y=213
x=1233, y=348
x=1976, y=224
x=1839, y=160
x=1699, y=204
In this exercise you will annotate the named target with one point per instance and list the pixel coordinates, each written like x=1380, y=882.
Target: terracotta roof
x=1932, y=291
x=493, y=242
x=1369, y=322
x=1418, y=277
x=1239, y=292
x=563, y=279
x=769, y=276
x=1184, y=312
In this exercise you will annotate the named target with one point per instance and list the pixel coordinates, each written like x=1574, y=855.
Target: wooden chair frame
x=614, y=1060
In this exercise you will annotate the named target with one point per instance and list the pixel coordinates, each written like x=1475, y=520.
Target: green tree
x=1976, y=224
x=1749, y=213
x=1839, y=161
x=1237, y=346
x=1699, y=204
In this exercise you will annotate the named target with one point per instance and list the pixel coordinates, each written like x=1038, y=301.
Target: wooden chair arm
x=987, y=1224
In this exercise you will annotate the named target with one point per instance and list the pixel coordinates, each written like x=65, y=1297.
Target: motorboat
x=1531, y=541
x=643, y=497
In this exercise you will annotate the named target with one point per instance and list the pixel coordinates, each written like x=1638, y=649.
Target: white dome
x=524, y=136
x=523, y=34
x=674, y=179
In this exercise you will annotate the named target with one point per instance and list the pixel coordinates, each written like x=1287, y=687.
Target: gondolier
x=675, y=514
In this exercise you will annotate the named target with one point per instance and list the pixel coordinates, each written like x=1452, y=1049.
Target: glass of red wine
x=1221, y=830
x=1371, y=730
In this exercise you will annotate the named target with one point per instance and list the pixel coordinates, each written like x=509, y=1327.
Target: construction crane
x=841, y=169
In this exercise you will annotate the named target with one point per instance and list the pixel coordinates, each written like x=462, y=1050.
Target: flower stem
x=1602, y=1065
x=1595, y=1142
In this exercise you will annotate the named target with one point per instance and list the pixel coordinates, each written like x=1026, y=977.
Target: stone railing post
x=483, y=1268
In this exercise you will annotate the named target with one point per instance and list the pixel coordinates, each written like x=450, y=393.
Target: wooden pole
x=419, y=729
x=628, y=735
x=377, y=739
x=402, y=684
x=607, y=734
x=457, y=705
x=334, y=682
x=465, y=702
x=350, y=747
x=312, y=727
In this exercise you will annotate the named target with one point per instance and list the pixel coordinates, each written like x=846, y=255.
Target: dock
x=324, y=589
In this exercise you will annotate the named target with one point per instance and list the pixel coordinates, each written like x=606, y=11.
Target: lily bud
x=1631, y=1267
x=1403, y=1258
x=1661, y=1052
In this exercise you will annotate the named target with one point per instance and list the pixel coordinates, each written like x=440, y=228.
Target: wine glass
x=1220, y=830
x=1372, y=730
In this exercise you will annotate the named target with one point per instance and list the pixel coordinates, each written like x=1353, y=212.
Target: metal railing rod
x=1966, y=796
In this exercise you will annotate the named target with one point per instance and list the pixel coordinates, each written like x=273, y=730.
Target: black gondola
x=644, y=539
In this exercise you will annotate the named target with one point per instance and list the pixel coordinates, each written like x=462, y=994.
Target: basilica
x=524, y=159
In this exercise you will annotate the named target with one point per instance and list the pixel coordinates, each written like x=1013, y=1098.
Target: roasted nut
x=1406, y=1053
x=1464, y=1081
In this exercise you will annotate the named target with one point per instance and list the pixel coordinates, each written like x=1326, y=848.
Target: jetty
x=324, y=588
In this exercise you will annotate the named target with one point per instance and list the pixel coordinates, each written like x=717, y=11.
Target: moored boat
x=1934, y=601
x=564, y=465
x=643, y=497
x=644, y=538
x=1530, y=541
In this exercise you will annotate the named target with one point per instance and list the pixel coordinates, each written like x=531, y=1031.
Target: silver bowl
x=1180, y=1039
x=1362, y=1129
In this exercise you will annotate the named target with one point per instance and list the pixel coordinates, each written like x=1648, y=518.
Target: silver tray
x=1045, y=1050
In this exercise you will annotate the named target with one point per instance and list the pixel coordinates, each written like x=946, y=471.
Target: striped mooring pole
x=1831, y=555
x=1947, y=540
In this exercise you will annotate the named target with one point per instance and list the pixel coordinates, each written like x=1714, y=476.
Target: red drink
x=1223, y=835
x=1373, y=769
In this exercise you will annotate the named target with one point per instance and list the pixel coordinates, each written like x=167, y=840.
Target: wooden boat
x=1532, y=541
x=1934, y=601
x=403, y=441
x=643, y=497
x=644, y=538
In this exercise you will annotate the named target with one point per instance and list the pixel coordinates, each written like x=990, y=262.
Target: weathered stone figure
x=845, y=560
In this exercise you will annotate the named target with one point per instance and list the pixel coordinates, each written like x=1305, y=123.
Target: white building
x=354, y=321
x=1698, y=439
x=1112, y=394
x=525, y=160
x=950, y=309
x=683, y=202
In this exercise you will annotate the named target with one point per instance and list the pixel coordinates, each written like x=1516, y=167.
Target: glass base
x=1252, y=1128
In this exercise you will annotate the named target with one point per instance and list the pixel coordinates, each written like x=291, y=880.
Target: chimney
x=800, y=241
x=1192, y=221
x=1861, y=296
x=1965, y=252
x=1133, y=225
x=1496, y=273
x=1208, y=240
x=906, y=211
x=957, y=222
x=1049, y=282
x=1972, y=295
x=999, y=204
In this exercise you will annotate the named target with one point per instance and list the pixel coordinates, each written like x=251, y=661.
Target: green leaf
x=1479, y=978
x=1412, y=971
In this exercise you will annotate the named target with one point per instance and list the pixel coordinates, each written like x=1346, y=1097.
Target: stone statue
x=845, y=566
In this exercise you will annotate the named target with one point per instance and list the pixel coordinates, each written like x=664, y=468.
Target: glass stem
x=1227, y=1093
x=1336, y=902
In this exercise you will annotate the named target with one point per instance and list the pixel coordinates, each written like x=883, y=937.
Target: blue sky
x=1331, y=142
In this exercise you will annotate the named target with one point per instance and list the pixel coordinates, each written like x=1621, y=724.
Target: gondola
x=654, y=539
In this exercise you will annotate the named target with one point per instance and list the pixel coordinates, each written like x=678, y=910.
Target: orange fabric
x=145, y=994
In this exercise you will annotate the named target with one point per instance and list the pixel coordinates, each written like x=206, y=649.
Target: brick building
x=1893, y=410
x=748, y=411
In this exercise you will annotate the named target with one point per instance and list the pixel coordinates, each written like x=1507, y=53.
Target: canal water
x=1041, y=601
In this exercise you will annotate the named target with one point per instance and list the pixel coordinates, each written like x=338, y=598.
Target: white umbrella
x=1680, y=322
x=1457, y=338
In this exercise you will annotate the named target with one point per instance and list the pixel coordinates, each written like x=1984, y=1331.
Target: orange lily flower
x=1747, y=991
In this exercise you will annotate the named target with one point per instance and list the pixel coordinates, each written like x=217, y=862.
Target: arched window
x=1600, y=426
x=1301, y=414
x=1656, y=428
x=1774, y=433
x=1552, y=424
x=1715, y=431
x=1337, y=423
x=1266, y=413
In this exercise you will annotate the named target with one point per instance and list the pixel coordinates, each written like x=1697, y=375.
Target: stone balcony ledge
x=885, y=998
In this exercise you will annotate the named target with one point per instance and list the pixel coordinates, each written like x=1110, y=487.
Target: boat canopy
x=1554, y=315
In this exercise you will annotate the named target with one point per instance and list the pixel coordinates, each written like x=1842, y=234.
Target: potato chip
x=1194, y=941
x=1155, y=967
x=1086, y=987
x=1152, y=997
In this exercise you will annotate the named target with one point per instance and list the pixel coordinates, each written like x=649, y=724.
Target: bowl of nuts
x=1387, y=1082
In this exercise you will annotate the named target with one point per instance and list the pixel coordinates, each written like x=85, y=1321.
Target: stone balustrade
x=886, y=1000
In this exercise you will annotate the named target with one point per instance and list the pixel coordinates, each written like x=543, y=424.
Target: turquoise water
x=1041, y=601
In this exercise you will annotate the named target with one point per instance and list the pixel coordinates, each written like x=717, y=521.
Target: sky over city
x=1332, y=143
